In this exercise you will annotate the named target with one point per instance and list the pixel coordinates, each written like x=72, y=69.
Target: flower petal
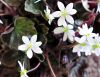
x=82, y=39
x=91, y=29
x=98, y=7
x=22, y=68
x=70, y=26
x=69, y=6
x=23, y=47
x=56, y=14
x=70, y=37
x=47, y=9
x=65, y=36
x=61, y=20
x=50, y=19
x=37, y=50
x=72, y=32
x=33, y=38
x=76, y=48
x=58, y=30
x=86, y=5
x=1, y=22
x=60, y=6
x=69, y=19
x=71, y=12
x=29, y=53
x=38, y=43
x=25, y=39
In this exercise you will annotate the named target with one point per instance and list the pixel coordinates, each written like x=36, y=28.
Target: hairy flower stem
x=34, y=67
x=52, y=71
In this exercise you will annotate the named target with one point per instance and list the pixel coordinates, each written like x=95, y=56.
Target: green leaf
x=24, y=27
x=35, y=8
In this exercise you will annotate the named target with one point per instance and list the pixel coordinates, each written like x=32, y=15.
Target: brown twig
x=34, y=67
x=52, y=71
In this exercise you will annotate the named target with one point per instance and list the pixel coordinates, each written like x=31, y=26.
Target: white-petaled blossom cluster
x=89, y=42
x=65, y=21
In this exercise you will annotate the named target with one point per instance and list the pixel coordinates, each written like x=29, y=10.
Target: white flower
x=1, y=22
x=82, y=47
x=95, y=42
x=98, y=6
x=85, y=32
x=48, y=15
x=64, y=13
x=30, y=45
x=23, y=72
x=67, y=30
x=86, y=5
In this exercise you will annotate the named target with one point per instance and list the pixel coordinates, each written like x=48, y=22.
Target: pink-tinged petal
x=29, y=53
x=25, y=39
x=23, y=47
x=69, y=19
x=56, y=14
x=65, y=36
x=69, y=6
x=70, y=37
x=71, y=12
x=60, y=6
x=58, y=30
x=61, y=20
x=33, y=38
x=39, y=43
x=37, y=50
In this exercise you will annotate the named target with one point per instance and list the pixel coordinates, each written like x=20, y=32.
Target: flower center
x=66, y=29
x=96, y=46
x=23, y=72
x=83, y=44
x=30, y=45
x=47, y=15
x=64, y=13
x=88, y=34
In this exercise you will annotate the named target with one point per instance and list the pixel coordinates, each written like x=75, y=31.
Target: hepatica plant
x=50, y=29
